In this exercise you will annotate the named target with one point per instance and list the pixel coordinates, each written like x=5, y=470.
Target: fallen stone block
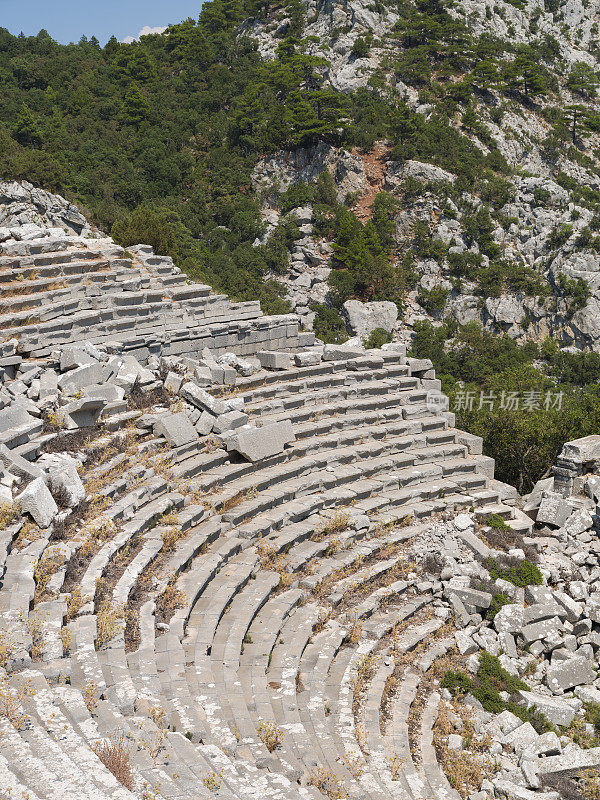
x=474, y=543
x=554, y=510
x=522, y=738
x=507, y=722
x=515, y=791
x=542, y=611
x=202, y=399
x=582, y=450
x=177, y=429
x=472, y=597
x=307, y=359
x=65, y=483
x=465, y=644
x=337, y=352
x=108, y=392
x=82, y=413
x=588, y=694
x=592, y=608
x=80, y=377
x=72, y=357
x=37, y=501
x=573, y=609
x=258, y=443
x=17, y=465
x=173, y=382
x=230, y=421
x=245, y=368
x=509, y=619
x=545, y=629
x=203, y=376
x=548, y=744
x=573, y=672
x=579, y=521
x=271, y=359
x=571, y=763
x=205, y=423
x=131, y=372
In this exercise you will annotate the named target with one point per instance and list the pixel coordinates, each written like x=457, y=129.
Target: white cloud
x=146, y=30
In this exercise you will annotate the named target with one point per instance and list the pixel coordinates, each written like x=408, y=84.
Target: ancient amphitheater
x=240, y=564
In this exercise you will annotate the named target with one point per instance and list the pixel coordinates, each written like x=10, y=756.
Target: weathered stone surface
x=309, y=359
x=522, y=738
x=72, y=357
x=80, y=377
x=177, y=429
x=570, y=673
x=202, y=399
x=554, y=510
x=258, y=443
x=270, y=359
x=542, y=611
x=364, y=318
x=173, y=382
x=419, y=170
x=82, y=413
x=64, y=482
x=337, y=352
x=230, y=421
x=582, y=450
x=472, y=597
x=245, y=368
x=37, y=501
x=557, y=711
x=548, y=744
x=17, y=465
x=572, y=763
x=509, y=619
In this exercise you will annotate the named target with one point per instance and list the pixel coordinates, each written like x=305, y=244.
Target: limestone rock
x=177, y=429
x=37, y=501
x=364, y=318
x=256, y=444
x=570, y=673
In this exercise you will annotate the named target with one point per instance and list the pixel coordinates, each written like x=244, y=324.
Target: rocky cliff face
x=543, y=216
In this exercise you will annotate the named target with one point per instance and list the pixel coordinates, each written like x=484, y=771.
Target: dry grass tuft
x=336, y=524
x=108, y=622
x=114, y=754
x=328, y=783
x=11, y=703
x=271, y=735
x=9, y=513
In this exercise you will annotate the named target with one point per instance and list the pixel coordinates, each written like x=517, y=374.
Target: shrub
x=495, y=521
x=360, y=48
x=498, y=600
x=433, y=300
x=520, y=573
x=377, y=338
x=328, y=783
x=328, y=325
x=559, y=235
x=491, y=679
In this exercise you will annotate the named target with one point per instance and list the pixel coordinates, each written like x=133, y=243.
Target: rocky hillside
x=490, y=169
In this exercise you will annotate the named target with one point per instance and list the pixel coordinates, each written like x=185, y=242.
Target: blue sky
x=67, y=21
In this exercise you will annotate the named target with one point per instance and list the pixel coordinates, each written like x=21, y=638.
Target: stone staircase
x=255, y=653
x=62, y=290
